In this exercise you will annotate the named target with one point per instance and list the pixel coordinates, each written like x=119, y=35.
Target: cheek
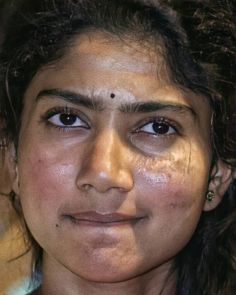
x=172, y=193
x=175, y=182
x=45, y=177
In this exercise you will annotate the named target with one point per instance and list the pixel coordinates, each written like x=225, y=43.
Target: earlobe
x=221, y=177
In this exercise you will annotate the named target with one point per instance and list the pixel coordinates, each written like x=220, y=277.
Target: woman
x=121, y=125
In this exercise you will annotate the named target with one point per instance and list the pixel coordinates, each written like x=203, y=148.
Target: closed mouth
x=94, y=218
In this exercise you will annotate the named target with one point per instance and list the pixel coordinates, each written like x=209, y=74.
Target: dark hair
x=199, y=48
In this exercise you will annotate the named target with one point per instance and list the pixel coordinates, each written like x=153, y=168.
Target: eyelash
x=63, y=111
x=70, y=111
x=159, y=120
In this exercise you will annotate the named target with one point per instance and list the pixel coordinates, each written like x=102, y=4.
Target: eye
x=67, y=120
x=158, y=128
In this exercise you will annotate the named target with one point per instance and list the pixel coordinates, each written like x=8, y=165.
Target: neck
x=57, y=280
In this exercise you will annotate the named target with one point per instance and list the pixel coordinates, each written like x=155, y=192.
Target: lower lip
x=92, y=223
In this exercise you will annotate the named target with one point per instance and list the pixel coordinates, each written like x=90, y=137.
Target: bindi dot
x=112, y=95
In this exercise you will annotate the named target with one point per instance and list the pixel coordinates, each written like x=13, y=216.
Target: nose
x=105, y=165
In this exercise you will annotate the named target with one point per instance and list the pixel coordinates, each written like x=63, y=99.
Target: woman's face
x=113, y=161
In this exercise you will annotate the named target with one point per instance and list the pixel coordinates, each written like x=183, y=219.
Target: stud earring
x=210, y=196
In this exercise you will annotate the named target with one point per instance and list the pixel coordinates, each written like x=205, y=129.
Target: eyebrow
x=99, y=105
x=72, y=97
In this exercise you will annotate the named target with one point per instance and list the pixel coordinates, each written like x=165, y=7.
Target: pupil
x=67, y=119
x=160, y=128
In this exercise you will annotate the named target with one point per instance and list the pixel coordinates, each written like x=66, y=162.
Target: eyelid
x=173, y=124
x=64, y=110
x=170, y=130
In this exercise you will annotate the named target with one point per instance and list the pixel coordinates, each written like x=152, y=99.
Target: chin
x=103, y=274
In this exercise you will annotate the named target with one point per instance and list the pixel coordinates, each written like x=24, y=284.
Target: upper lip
x=92, y=216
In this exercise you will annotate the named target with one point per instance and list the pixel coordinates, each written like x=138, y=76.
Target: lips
x=95, y=218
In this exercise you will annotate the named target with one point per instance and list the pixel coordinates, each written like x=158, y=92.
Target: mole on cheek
x=112, y=95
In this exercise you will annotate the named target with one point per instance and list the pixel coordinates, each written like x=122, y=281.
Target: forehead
x=97, y=63
x=100, y=52
x=124, y=53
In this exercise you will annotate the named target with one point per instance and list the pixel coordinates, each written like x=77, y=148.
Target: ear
x=9, y=173
x=15, y=174
x=234, y=173
x=221, y=177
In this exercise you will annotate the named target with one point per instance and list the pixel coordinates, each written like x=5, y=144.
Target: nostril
x=123, y=189
x=102, y=178
x=86, y=187
x=103, y=166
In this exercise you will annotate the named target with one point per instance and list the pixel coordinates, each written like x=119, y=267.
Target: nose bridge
x=108, y=150
x=105, y=164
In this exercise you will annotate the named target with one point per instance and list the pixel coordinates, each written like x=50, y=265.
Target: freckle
x=175, y=205
x=57, y=225
x=112, y=95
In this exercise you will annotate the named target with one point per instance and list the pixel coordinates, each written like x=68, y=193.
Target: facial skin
x=112, y=159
